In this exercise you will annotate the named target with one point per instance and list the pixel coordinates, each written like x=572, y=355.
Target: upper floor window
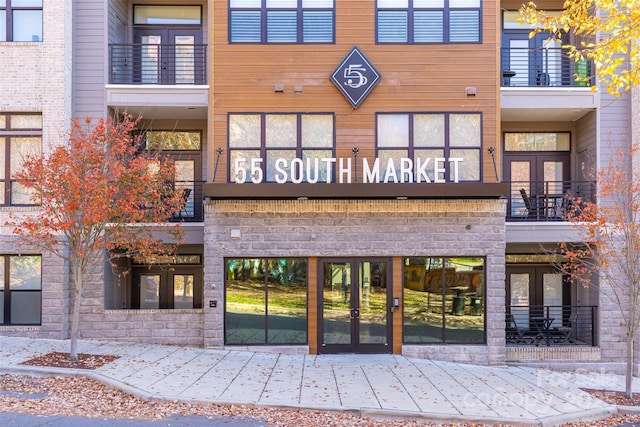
x=440, y=147
x=167, y=15
x=428, y=21
x=281, y=21
x=21, y=20
x=20, y=136
x=281, y=147
x=537, y=141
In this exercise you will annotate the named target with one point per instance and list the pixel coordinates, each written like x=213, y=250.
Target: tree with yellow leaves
x=607, y=32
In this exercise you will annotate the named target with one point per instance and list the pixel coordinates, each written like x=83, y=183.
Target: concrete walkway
x=371, y=385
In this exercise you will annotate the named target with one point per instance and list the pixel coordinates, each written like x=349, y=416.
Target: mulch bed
x=57, y=359
x=615, y=397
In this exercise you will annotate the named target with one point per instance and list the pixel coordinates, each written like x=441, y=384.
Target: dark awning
x=357, y=191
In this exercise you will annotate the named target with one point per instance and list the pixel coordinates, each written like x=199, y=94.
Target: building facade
x=360, y=176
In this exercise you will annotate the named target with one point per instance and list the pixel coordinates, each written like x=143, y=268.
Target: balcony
x=551, y=325
x=193, y=210
x=158, y=64
x=539, y=201
x=545, y=85
x=543, y=67
x=163, y=81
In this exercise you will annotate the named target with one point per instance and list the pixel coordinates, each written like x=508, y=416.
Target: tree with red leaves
x=608, y=255
x=100, y=194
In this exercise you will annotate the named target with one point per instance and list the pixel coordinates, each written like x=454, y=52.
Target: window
x=20, y=136
x=281, y=21
x=167, y=15
x=265, y=301
x=428, y=21
x=21, y=20
x=444, y=300
x=281, y=147
x=429, y=147
x=537, y=141
x=21, y=292
x=174, y=286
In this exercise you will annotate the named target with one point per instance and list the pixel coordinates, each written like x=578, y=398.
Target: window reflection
x=24, y=288
x=426, y=137
x=266, y=301
x=444, y=300
x=256, y=142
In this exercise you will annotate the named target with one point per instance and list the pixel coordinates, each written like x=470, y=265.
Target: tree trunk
x=629, y=375
x=75, y=318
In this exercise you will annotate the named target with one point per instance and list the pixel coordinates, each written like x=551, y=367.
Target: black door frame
x=355, y=303
x=536, y=291
x=167, y=50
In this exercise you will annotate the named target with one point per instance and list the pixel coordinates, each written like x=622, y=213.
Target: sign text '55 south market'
x=402, y=170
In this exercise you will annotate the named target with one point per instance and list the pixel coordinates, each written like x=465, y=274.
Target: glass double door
x=543, y=178
x=537, y=291
x=169, y=56
x=355, y=306
x=537, y=61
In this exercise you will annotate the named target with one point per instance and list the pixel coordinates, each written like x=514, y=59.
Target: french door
x=536, y=61
x=169, y=56
x=161, y=288
x=355, y=305
x=541, y=176
x=537, y=291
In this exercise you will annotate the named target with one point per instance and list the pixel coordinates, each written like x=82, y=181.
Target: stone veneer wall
x=336, y=228
x=55, y=317
x=170, y=327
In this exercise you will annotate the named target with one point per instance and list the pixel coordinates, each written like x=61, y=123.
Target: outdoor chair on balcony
x=186, y=192
x=515, y=333
x=531, y=209
x=565, y=333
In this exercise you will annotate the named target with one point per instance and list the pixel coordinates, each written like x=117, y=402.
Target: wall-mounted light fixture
x=215, y=169
x=492, y=151
x=235, y=234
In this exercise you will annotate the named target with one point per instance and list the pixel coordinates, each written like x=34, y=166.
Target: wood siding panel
x=312, y=304
x=415, y=78
x=398, y=269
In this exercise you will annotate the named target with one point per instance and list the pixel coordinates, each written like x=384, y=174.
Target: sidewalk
x=371, y=385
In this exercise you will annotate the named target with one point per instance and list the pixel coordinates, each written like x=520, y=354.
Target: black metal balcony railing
x=165, y=64
x=193, y=210
x=551, y=325
x=546, y=200
x=543, y=67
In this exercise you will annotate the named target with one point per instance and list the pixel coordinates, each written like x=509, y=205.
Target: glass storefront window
x=444, y=300
x=266, y=301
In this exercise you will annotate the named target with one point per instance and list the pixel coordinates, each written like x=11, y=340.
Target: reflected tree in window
x=444, y=300
x=266, y=301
